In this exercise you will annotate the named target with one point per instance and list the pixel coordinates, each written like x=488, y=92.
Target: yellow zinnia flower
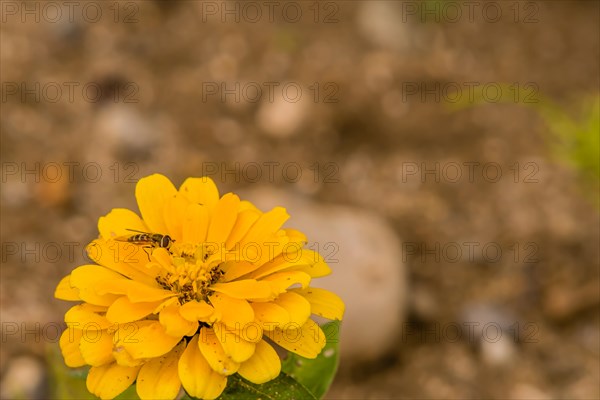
x=191, y=302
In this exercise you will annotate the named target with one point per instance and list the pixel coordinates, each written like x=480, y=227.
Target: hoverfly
x=147, y=239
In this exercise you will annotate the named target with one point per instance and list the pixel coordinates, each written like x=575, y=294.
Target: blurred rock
x=282, y=118
x=500, y=352
x=125, y=127
x=495, y=331
x=368, y=272
x=381, y=23
x=24, y=379
x=423, y=303
x=482, y=315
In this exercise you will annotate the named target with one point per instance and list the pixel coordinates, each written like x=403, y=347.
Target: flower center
x=190, y=275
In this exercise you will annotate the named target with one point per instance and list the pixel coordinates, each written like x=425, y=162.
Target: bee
x=152, y=240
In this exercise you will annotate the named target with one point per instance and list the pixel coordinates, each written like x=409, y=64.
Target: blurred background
x=443, y=156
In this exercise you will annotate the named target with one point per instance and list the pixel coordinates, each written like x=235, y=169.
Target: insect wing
x=135, y=239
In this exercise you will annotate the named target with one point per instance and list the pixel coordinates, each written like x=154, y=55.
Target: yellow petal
x=306, y=341
x=316, y=267
x=265, y=250
x=305, y=260
x=281, y=281
x=234, y=312
x=213, y=352
x=136, y=292
x=271, y=315
x=245, y=219
x=162, y=260
x=245, y=205
x=244, y=289
x=96, y=347
x=201, y=191
x=296, y=236
x=86, y=277
x=120, y=222
x=263, y=366
x=195, y=311
x=235, y=269
x=125, y=359
x=268, y=223
x=169, y=302
x=280, y=263
x=127, y=259
x=323, y=302
x=297, y=307
x=69, y=346
x=238, y=344
x=174, y=215
x=198, y=378
x=223, y=219
x=108, y=381
x=175, y=324
x=152, y=193
x=195, y=223
x=64, y=290
x=147, y=339
x=123, y=310
x=84, y=316
x=159, y=377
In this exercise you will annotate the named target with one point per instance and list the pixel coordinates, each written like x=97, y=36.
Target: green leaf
x=317, y=374
x=129, y=394
x=281, y=388
x=65, y=382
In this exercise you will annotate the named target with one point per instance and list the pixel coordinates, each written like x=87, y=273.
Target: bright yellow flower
x=192, y=308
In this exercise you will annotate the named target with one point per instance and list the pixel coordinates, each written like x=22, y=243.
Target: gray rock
x=368, y=273
x=124, y=126
x=483, y=316
x=495, y=331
